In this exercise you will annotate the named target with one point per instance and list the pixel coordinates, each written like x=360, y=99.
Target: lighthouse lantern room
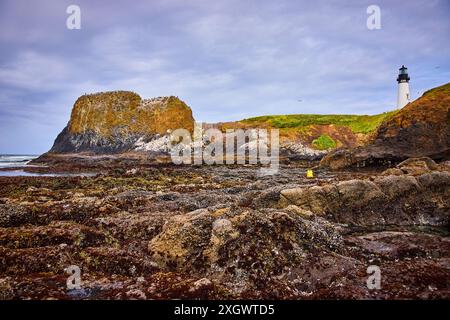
x=403, y=87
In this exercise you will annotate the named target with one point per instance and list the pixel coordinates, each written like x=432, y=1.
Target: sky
x=227, y=59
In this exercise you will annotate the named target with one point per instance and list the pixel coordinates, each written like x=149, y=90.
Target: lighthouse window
x=403, y=71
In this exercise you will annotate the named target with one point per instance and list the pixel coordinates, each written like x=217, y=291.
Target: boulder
x=403, y=199
x=417, y=166
x=12, y=215
x=422, y=162
x=350, y=194
x=398, y=186
x=240, y=248
x=182, y=240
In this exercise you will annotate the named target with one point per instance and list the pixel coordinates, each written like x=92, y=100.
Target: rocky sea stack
x=120, y=121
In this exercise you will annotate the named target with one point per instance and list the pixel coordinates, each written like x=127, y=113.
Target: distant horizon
x=226, y=59
x=18, y=154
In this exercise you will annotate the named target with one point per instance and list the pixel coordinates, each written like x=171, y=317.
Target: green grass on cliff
x=432, y=92
x=357, y=123
x=324, y=142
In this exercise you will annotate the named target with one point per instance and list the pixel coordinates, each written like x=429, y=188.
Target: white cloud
x=32, y=70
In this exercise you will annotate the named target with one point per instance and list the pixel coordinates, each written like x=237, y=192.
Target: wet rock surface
x=400, y=200
x=217, y=232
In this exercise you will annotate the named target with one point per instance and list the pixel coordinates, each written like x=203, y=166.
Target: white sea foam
x=8, y=161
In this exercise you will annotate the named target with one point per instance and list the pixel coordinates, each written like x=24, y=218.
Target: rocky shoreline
x=137, y=226
x=147, y=230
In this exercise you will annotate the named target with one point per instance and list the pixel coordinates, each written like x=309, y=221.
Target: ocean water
x=22, y=161
x=22, y=173
x=15, y=160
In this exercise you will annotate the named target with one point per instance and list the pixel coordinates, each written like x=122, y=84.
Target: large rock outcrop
x=120, y=121
x=245, y=250
x=421, y=128
x=389, y=199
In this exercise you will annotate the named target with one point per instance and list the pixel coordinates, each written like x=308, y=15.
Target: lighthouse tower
x=403, y=87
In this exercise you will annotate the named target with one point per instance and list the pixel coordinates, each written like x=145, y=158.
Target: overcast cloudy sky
x=227, y=59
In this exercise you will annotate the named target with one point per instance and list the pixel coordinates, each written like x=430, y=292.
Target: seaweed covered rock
x=393, y=199
x=12, y=215
x=241, y=248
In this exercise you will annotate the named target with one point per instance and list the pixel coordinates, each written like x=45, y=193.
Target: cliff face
x=421, y=128
x=311, y=136
x=114, y=122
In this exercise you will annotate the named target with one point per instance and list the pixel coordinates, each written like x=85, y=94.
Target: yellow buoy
x=309, y=173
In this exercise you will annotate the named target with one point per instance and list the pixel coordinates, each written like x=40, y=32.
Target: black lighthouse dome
x=403, y=74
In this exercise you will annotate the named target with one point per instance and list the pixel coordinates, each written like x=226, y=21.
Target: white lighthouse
x=403, y=88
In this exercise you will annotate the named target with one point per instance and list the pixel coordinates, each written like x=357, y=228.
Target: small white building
x=403, y=97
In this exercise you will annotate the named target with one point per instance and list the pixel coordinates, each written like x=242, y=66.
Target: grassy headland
x=357, y=123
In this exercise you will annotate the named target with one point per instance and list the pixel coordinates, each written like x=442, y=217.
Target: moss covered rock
x=113, y=122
